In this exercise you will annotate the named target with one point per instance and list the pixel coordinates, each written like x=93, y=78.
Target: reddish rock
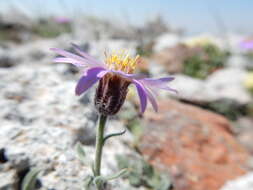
x=244, y=132
x=173, y=58
x=196, y=146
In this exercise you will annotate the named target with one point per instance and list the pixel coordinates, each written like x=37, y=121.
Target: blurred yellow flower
x=199, y=41
x=248, y=82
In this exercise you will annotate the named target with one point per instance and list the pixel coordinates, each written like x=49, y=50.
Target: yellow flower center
x=122, y=61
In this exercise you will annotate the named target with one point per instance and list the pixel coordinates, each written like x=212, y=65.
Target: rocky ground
x=184, y=145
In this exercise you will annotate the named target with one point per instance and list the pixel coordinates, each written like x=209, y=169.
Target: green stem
x=99, y=144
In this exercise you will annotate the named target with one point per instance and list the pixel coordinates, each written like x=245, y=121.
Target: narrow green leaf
x=117, y=175
x=80, y=152
x=30, y=180
x=113, y=135
x=87, y=182
x=93, y=168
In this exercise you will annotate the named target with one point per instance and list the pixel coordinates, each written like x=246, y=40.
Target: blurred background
x=201, y=138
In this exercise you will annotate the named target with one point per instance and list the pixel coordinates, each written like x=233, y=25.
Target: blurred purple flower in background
x=114, y=76
x=62, y=20
x=247, y=44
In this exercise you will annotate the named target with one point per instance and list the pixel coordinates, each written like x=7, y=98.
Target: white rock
x=225, y=83
x=239, y=61
x=166, y=41
x=8, y=180
x=228, y=83
x=243, y=183
x=42, y=119
x=190, y=89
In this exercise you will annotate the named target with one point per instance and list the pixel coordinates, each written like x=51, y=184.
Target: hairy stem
x=99, y=144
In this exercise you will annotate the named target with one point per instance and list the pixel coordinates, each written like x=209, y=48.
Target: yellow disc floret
x=122, y=61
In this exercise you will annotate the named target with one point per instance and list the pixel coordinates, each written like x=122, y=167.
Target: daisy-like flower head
x=114, y=76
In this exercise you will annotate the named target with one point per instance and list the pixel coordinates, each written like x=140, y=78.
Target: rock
x=223, y=84
x=234, y=40
x=243, y=129
x=6, y=58
x=6, y=61
x=15, y=26
x=166, y=40
x=196, y=146
x=228, y=83
x=10, y=180
x=190, y=89
x=41, y=120
x=172, y=59
x=244, y=183
x=238, y=61
x=16, y=17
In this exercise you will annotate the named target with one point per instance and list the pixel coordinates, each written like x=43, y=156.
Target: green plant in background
x=250, y=109
x=143, y=174
x=145, y=50
x=204, y=62
x=48, y=28
x=249, y=55
x=12, y=32
x=132, y=121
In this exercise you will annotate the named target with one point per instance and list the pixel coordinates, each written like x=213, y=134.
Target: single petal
x=152, y=99
x=69, y=55
x=69, y=60
x=85, y=55
x=159, y=80
x=142, y=95
x=88, y=80
x=160, y=83
x=170, y=89
x=151, y=86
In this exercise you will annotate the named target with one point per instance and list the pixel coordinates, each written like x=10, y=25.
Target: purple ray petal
x=70, y=55
x=85, y=55
x=69, y=60
x=170, y=89
x=159, y=80
x=152, y=99
x=88, y=80
x=142, y=95
x=160, y=83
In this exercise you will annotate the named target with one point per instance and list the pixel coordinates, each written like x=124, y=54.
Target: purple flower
x=247, y=45
x=62, y=20
x=114, y=76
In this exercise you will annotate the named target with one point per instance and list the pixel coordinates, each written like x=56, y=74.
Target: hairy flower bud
x=111, y=94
